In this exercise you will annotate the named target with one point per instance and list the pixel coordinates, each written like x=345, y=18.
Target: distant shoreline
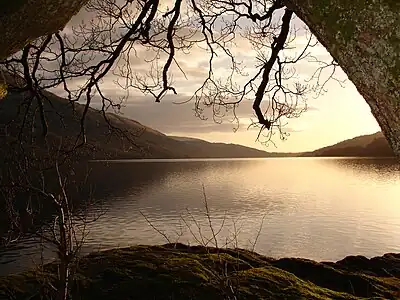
x=236, y=158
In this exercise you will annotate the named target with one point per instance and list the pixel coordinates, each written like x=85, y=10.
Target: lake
x=322, y=209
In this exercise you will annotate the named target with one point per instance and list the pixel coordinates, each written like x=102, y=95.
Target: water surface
x=322, y=209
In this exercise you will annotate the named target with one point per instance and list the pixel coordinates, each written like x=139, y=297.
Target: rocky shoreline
x=177, y=271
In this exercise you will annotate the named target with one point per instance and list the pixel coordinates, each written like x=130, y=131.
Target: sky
x=338, y=114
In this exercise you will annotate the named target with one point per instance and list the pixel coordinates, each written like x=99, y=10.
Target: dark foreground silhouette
x=177, y=271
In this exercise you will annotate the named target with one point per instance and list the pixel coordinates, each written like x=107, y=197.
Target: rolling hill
x=130, y=139
x=372, y=145
x=127, y=138
x=201, y=148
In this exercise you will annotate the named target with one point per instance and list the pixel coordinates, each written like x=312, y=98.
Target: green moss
x=182, y=272
x=287, y=285
x=3, y=90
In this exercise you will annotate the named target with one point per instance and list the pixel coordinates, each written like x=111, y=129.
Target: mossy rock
x=182, y=272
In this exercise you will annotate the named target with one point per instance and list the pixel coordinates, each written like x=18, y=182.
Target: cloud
x=168, y=117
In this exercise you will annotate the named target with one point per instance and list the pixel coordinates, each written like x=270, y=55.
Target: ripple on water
x=314, y=208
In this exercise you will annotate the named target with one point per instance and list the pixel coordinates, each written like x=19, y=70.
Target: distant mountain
x=134, y=140
x=372, y=145
x=201, y=148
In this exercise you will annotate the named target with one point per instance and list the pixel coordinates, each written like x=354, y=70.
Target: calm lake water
x=322, y=209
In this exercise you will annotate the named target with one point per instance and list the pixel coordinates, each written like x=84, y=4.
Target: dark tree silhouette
x=108, y=44
x=361, y=36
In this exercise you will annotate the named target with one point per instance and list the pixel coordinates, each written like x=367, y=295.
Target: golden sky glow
x=339, y=114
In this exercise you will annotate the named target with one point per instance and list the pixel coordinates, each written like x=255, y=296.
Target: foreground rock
x=183, y=272
x=22, y=21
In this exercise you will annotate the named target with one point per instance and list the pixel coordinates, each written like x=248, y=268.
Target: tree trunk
x=63, y=253
x=363, y=36
x=62, y=292
x=22, y=21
